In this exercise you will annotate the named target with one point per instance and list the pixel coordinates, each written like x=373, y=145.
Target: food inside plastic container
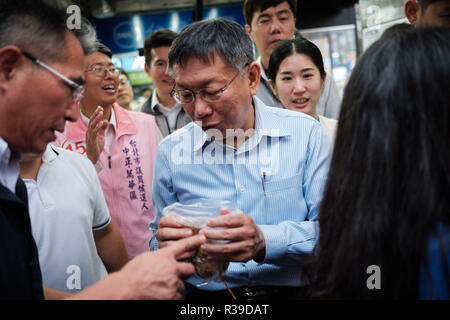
x=206, y=268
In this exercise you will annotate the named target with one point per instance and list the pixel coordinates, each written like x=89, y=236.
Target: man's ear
x=147, y=69
x=248, y=28
x=412, y=11
x=10, y=60
x=254, y=77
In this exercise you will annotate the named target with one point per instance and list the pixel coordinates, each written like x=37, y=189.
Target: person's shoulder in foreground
x=433, y=283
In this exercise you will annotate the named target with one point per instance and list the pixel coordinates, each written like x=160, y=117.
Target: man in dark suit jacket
x=20, y=275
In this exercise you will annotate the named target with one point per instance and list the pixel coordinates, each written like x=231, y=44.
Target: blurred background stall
x=342, y=29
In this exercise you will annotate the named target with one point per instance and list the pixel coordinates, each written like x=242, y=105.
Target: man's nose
x=201, y=108
x=275, y=26
x=107, y=74
x=166, y=72
x=71, y=113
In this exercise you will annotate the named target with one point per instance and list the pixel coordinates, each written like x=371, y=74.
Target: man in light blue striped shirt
x=271, y=162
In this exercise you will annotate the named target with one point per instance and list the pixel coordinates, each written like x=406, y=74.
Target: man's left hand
x=244, y=239
x=95, y=135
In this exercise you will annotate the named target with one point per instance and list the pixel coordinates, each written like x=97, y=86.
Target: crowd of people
x=327, y=188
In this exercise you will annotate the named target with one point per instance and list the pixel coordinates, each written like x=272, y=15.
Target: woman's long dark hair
x=389, y=180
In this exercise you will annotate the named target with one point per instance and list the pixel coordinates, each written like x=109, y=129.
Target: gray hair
x=87, y=36
x=40, y=27
x=100, y=47
x=203, y=39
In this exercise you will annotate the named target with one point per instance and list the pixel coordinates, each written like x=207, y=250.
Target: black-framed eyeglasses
x=100, y=71
x=78, y=89
x=209, y=94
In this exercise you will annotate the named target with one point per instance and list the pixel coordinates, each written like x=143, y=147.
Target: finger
x=170, y=221
x=228, y=248
x=177, y=296
x=185, y=270
x=187, y=255
x=229, y=234
x=96, y=117
x=101, y=127
x=223, y=212
x=187, y=244
x=165, y=234
x=92, y=130
x=163, y=244
x=238, y=256
x=180, y=286
x=98, y=125
x=98, y=110
x=184, y=256
x=230, y=220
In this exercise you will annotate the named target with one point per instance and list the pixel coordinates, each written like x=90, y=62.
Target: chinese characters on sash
x=134, y=174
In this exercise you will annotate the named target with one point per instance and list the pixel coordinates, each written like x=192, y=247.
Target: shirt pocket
x=284, y=200
x=293, y=183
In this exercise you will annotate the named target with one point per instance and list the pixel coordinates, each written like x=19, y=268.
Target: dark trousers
x=192, y=293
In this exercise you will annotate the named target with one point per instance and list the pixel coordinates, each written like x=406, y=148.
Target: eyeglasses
x=78, y=89
x=101, y=71
x=208, y=94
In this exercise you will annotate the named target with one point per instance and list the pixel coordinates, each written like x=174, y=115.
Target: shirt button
x=242, y=188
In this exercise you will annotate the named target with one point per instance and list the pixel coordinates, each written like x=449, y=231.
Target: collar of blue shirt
x=265, y=126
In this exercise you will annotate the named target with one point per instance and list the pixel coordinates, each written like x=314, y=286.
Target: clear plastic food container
x=195, y=214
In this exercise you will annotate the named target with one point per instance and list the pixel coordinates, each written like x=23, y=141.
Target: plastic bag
x=194, y=215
